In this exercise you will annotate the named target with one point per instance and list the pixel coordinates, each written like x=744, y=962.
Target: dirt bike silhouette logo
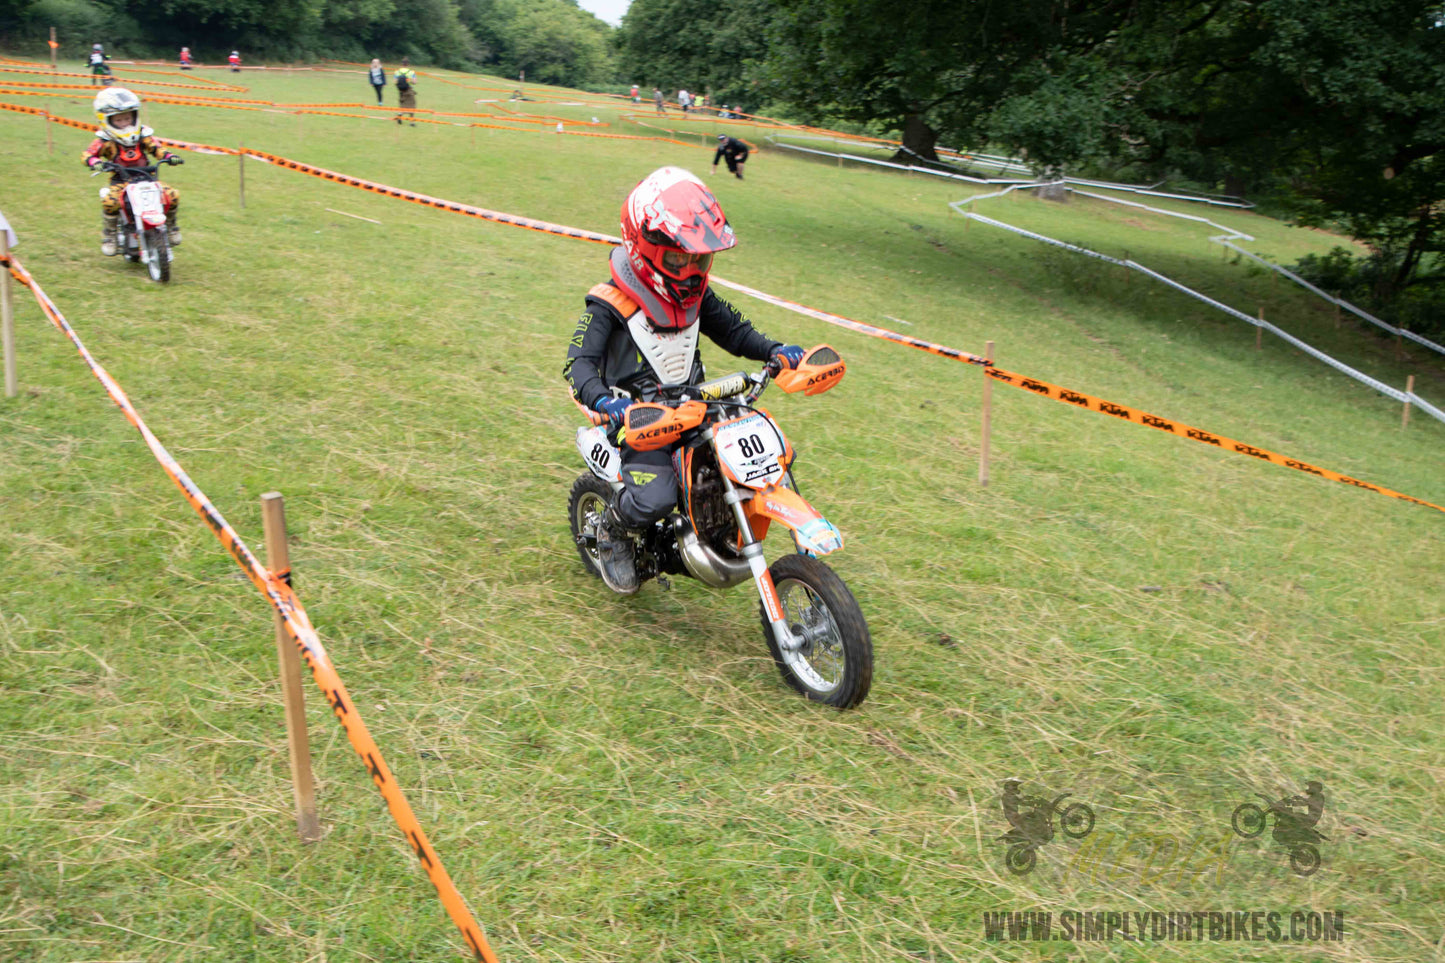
x=1293, y=830
x=1032, y=819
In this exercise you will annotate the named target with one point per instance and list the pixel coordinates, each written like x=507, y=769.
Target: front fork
x=753, y=551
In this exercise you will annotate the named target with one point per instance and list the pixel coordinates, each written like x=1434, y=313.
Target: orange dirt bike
x=734, y=469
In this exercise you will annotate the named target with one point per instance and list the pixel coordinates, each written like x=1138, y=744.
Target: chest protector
x=669, y=354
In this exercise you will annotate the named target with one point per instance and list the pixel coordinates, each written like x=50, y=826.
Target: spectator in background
x=684, y=100
x=377, y=76
x=185, y=58
x=235, y=61
x=734, y=151
x=636, y=99
x=657, y=97
x=406, y=91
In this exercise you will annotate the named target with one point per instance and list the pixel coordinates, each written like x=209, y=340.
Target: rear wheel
x=590, y=498
x=159, y=245
x=834, y=665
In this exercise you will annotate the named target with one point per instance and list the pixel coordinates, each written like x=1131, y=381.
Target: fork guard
x=812, y=533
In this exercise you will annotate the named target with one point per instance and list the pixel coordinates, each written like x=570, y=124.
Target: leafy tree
x=699, y=45
x=931, y=67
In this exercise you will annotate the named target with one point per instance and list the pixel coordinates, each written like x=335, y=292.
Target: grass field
x=1158, y=627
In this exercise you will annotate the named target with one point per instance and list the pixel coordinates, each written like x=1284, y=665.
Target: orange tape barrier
x=298, y=627
x=1007, y=377
x=1069, y=396
x=155, y=83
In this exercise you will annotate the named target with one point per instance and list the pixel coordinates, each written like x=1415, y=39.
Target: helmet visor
x=676, y=262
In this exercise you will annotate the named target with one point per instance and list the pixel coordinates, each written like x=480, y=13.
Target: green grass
x=1159, y=627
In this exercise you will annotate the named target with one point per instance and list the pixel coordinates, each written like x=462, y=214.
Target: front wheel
x=834, y=665
x=590, y=498
x=1077, y=820
x=159, y=265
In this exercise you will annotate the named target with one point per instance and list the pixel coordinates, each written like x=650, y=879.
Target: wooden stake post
x=273, y=517
x=1409, y=390
x=241, y=166
x=7, y=313
x=53, y=45
x=987, y=418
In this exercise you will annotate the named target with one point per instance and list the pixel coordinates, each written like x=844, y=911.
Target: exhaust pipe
x=705, y=564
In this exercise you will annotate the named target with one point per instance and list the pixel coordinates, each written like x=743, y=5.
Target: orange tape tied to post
x=297, y=626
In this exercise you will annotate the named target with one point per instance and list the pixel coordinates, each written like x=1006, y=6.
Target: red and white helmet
x=671, y=227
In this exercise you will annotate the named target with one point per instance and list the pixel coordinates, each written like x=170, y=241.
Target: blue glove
x=789, y=354
x=613, y=408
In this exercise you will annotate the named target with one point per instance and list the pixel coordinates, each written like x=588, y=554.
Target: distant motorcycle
x=1076, y=820
x=1249, y=820
x=141, y=234
x=735, y=478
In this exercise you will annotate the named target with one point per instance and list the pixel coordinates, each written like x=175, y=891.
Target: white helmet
x=118, y=111
x=95, y=46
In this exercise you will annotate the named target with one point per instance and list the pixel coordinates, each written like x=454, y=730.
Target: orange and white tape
x=297, y=626
x=1021, y=381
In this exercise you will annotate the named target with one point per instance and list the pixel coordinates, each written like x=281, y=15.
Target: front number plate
x=751, y=448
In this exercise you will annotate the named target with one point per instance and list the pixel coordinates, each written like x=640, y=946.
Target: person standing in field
x=185, y=58
x=405, y=79
x=684, y=100
x=99, y=70
x=377, y=76
x=235, y=61
x=732, y=150
x=657, y=98
x=635, y=98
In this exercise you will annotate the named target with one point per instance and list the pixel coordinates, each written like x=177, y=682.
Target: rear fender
x=812, y=533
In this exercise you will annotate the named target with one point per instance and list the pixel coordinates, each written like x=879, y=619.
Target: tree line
x=554, y=41
x=1331, y=112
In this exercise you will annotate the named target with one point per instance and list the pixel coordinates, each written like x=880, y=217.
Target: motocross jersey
x=604, y=352
x=105, y=148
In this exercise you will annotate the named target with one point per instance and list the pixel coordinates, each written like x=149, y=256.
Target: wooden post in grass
x=49, y=138
x=987, y=418
x=273, y=517
x=1409, y=390
x=241, y=168
x=53, y=45
x=7, y=313
x=1259, y=332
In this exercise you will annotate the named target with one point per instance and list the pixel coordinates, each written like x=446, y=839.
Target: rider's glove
x=789, y=354
x=614, y=408
x=173, y=159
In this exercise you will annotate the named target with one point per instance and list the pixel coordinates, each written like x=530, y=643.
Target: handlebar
x=133, y=173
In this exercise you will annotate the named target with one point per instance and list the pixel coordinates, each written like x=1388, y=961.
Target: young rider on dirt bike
x=654, y=308
x=122, y=140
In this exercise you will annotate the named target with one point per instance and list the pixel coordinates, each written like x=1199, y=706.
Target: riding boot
x=108, y=225
x=616, y=554
x=174, y=230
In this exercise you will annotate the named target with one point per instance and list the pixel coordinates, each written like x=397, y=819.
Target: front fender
x=812, y=533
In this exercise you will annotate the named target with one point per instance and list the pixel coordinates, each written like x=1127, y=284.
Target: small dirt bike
x=1249, y=820
x=141, y=234
x=734, y=469
x=1076, y=820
